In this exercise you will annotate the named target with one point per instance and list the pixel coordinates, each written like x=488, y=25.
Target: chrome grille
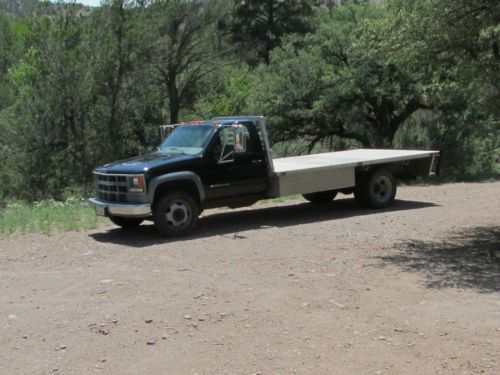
x=113, y=188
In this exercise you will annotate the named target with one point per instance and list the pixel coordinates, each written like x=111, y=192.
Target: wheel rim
x=381, y=188
x=178, y=214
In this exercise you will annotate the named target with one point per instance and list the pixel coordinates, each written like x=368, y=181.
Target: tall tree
x=259, y=25
x=331, y=84
x=180, y=37
x=5, y=58
x=54, y=101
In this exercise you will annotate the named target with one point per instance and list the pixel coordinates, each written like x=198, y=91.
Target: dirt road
x=282, y=289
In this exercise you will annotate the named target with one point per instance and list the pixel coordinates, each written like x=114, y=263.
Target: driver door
x=236, y=171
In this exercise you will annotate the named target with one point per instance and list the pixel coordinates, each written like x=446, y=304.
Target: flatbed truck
x=227, y=162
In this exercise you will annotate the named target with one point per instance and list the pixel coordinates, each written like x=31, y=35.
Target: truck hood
x=144, y=163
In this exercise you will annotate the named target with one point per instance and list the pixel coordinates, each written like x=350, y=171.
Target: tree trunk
x=173, y=98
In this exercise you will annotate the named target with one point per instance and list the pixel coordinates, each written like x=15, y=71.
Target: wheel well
x=183, y=185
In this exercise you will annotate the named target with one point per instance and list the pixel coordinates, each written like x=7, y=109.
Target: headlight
x=137, y=184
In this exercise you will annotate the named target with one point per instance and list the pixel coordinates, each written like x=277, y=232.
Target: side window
x=225, y=145
x=231, y=141
x=252, y=139
x=241, y=137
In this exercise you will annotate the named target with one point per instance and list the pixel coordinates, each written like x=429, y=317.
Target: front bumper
x=106, y=208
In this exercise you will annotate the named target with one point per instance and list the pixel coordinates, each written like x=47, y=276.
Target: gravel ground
x=274, y=289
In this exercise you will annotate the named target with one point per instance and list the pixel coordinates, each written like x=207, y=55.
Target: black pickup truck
x=228, y=162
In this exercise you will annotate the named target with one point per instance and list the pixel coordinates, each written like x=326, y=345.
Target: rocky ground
x=274, y=289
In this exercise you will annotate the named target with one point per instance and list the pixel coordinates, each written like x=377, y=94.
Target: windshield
x=188, y=139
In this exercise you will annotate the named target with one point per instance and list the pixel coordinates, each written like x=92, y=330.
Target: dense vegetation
x=81, y=86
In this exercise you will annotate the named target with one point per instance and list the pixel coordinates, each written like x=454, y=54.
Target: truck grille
x=113, y=188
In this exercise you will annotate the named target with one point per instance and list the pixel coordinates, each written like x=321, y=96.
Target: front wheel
x=321, y=196
x=175, y=214
x=126, y=222
x=376, y=189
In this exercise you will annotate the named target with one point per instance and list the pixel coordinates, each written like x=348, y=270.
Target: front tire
x=376, y=189
x=126, y=222
x=321, y=196
x=175, y=214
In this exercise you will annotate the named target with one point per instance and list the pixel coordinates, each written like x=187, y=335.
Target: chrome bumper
x=106, y=208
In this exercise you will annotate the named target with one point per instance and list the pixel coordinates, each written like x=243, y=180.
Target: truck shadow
x=468, y=259
x=231, y=222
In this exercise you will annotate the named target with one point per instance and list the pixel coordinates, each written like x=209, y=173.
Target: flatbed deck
x=335, y=170
x=346, y=159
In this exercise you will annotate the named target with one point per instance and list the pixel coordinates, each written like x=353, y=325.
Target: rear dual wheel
x=375, y=189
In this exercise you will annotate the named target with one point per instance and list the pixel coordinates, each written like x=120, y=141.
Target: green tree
x=180, y=40
x=260, y=25
x=6, y=58
x=334, y=84
x=54, y=101
x=452, y=46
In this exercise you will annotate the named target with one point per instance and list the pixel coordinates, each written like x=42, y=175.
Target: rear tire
x=175, y=214
x=126, y=222
x=376, y=189
x=321, y=196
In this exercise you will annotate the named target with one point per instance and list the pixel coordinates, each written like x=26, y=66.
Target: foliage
x=335, y=84
x=259, y=25
x=47, y=216
x=228, y=94
x=82, y=86
x=178, y=38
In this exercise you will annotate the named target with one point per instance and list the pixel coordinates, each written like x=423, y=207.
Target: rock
x=12, y=316
x=103, y=331
x=62, y=347
x=106, y=281
x=187, y=317
x=148, y=321
x=25, y=337
x=151, y=342
x=201, y=319
x=164, y=337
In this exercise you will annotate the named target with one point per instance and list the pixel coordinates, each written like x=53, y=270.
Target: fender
x=176, y=176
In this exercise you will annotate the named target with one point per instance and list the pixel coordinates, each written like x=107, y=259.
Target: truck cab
x=208, y=163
